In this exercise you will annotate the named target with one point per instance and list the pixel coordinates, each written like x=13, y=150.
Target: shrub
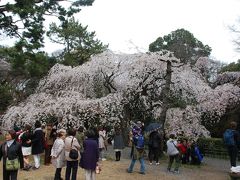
x=213, y=147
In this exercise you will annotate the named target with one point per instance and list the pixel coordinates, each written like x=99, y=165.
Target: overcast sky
x=131, y=25
x=125, y=24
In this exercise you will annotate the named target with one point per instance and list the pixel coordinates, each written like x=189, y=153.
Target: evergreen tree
x=232, y=67
x=184, y=45
x=79, y=43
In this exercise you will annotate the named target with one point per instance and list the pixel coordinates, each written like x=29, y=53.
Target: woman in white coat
x=58, y=154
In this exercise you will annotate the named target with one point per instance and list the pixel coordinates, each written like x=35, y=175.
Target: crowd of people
x=85, y=148
x=179, y=149
x=71, y=148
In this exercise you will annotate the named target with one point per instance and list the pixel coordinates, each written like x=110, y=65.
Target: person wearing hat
x=11, y=150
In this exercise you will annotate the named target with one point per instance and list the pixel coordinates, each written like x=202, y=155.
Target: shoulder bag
x=73, y=154
x=11, y=165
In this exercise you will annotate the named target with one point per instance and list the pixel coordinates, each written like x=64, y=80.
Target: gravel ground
x=214, y=169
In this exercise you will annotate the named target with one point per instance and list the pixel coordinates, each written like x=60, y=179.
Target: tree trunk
x=165, y=94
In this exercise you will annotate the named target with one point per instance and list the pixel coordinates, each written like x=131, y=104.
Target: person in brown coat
x=50, y=136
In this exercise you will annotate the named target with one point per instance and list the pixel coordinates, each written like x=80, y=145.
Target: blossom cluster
x=99, y=90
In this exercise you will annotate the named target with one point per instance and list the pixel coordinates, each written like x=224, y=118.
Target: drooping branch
x=108, y=83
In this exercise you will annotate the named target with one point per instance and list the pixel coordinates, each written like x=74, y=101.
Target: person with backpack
x=173, y=153
x=231, y=140
x=138, y=150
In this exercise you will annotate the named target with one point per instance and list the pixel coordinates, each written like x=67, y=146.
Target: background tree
x=209, y=68
x=184, y=45
x=6, y=96
x=235, y=29
x=24, y=20
x=79, y=43
x=232, y=67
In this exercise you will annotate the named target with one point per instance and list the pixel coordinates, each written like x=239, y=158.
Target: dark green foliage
x=176, y=102
x=232, y=67
x=24, y=18
x=79, y=44
x=38, y=65
x=25, y=63
x=6, y=96
x=48, y=119
x=27, y=68
x=213, y=147
x=184, y=45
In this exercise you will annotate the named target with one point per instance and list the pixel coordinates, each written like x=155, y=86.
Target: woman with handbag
x=11, y=152
x=72, y=155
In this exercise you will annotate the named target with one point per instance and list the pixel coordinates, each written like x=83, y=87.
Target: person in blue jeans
x=138, y=154
x=233, y=146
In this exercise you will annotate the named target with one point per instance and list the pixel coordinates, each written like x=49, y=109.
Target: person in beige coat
x=72, y=164
x=58, y=154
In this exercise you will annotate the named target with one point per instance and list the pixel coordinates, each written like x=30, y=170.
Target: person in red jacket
x=182, y=146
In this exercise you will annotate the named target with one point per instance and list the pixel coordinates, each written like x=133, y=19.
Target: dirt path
x=112, y=170
x=213, y=169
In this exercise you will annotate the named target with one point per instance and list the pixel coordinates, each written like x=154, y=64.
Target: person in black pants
x=233, y=148
x=154, y=147
x=11, y=150
x=72, y=164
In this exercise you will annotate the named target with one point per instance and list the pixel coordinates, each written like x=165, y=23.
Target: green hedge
x=213, y=147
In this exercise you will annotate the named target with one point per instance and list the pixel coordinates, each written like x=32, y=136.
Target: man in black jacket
x=37, y=144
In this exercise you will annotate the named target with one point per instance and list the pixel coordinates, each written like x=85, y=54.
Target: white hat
x=61, y=130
